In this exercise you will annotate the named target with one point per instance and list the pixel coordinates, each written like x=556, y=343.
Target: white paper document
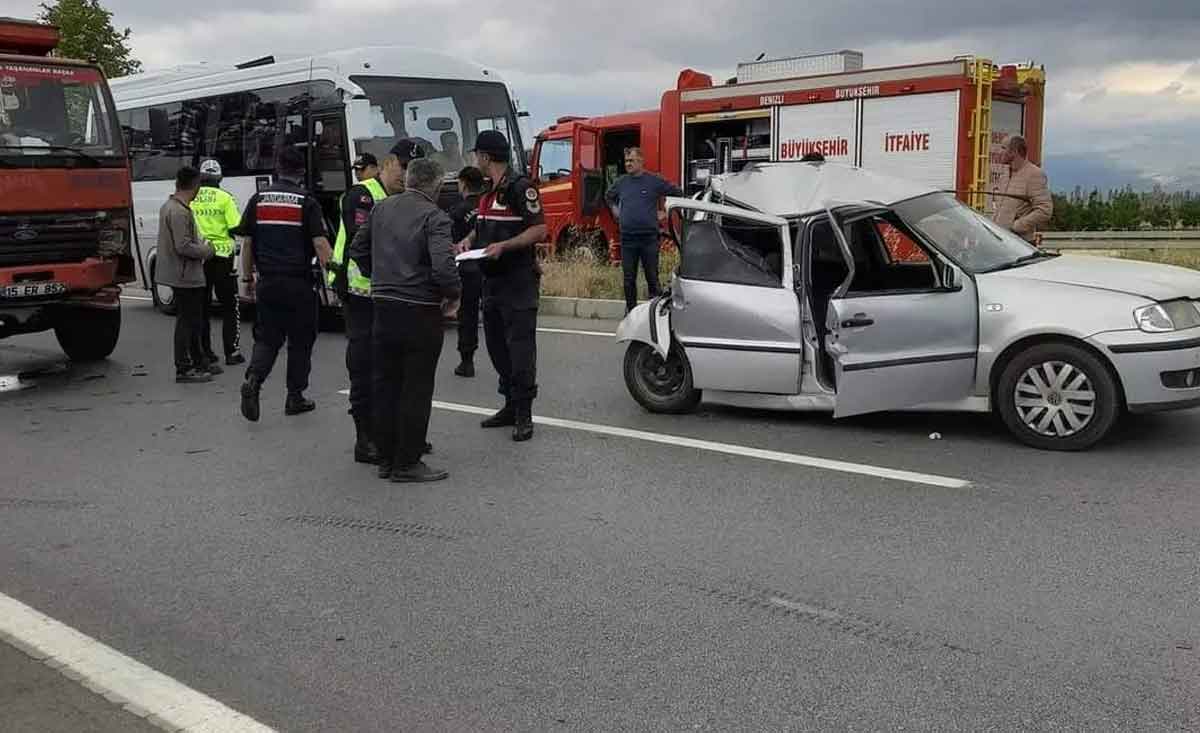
x=471, y=254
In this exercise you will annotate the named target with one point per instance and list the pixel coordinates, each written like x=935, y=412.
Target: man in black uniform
x=284, y=229
x=462, y=219
x=354, y=288
x=509, y=225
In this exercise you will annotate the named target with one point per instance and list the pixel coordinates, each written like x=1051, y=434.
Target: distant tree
x=1162, y=217
x=1189, y=213
x=88, y=34
x=1124, y=211
x=1094, y=214
x=1068, y=214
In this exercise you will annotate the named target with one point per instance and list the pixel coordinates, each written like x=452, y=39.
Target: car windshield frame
x=991, y=247
x=469, y=106
x=23, y=144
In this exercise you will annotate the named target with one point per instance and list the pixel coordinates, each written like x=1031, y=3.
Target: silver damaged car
x=824, y=287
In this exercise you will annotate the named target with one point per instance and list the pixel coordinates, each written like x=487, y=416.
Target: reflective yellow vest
x=216, y=212
x=359, y=284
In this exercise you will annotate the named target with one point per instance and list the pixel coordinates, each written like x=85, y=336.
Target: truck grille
x=35, y=239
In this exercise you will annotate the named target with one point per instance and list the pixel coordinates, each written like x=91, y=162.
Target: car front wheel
x=1058, y=397
x=658, y=384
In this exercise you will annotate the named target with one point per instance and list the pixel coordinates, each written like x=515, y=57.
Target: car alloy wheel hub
x=1055, y=399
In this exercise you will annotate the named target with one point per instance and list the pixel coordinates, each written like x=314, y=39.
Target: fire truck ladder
x=982, y=72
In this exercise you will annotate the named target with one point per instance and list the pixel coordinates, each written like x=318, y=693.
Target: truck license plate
x=32, y=290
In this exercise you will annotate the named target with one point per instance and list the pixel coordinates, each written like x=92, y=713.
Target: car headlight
x=1176, y=315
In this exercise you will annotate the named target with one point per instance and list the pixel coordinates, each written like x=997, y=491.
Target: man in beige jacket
x=1026, y=206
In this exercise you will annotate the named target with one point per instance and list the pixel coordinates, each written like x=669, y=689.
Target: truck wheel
x=162, y=295
x=1058, y=397
x=660, y=385
x=87, y=334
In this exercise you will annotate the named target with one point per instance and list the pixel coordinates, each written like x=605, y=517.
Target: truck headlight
x=1176, y=315
x=114, y=234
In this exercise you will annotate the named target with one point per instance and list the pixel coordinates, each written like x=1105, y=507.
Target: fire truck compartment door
x=829, y=128
x=913, y=137
x=587, y=177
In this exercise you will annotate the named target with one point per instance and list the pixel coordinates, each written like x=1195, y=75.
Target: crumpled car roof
x=791, y=189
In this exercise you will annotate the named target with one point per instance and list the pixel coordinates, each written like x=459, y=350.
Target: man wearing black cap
x=354, y=288
x=366, y=167
x=509, y=225
x=284, y=229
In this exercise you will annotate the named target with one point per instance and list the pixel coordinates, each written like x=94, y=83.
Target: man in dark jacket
x=637, y=195
x=406, y=250
x=284, y=229
x=180, y=264
x=462, y=219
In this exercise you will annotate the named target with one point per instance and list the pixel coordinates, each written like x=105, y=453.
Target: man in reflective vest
x=216, y=214
x=354, y=288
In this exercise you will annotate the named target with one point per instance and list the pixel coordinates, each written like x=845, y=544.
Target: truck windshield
x=50, y=112
x=966, y=236
x=443, y=115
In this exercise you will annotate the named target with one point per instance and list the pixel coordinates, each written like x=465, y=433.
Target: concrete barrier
x=607, y=310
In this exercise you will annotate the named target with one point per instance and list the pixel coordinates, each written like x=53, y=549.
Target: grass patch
x=1178, y=257
x=581, y=274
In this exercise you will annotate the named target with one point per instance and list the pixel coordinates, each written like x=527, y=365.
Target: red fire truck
x=64, y=196
x=943, y=123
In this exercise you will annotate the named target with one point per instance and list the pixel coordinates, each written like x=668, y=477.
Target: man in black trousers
x=406, y=250
x=462, y=217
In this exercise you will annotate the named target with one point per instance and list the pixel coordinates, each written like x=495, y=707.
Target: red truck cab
x=64, y=196
x=574, y=162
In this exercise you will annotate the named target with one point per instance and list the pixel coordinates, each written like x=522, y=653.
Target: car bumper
x=1158, y=371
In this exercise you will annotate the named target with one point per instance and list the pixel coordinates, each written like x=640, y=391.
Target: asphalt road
x=597, y=582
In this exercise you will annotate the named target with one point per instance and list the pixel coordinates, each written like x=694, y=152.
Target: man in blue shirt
x=635, y=199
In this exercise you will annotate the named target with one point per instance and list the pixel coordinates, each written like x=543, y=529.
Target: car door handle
x=860, y=320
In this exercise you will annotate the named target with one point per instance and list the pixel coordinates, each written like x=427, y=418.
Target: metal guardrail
x=1165, y=239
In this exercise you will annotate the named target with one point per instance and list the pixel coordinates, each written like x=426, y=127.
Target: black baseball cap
x=493, y=143
x=364, y=160
x=407, y=149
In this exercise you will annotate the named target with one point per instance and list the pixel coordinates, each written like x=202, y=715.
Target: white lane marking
x=574, y=332
x=804, y=608
x=795, y=459
x=161, y=700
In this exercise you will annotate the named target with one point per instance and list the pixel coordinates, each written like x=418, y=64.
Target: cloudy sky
x=1123, y=76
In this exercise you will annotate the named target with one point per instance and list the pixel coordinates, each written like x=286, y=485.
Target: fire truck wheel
x=88, y=334
x=163, y=295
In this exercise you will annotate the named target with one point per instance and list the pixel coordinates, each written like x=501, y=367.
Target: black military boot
x=506, y=417
x=250, y=389
x=364, y=447
x=466, y=367
x=523, y=425
x=298, y=404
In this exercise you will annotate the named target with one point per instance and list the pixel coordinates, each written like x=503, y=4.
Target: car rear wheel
x=87, y=334
x=1058, y=397
x=658, y=384
x=162, y=295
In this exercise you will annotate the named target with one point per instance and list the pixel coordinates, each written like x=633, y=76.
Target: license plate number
x=32, y=290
